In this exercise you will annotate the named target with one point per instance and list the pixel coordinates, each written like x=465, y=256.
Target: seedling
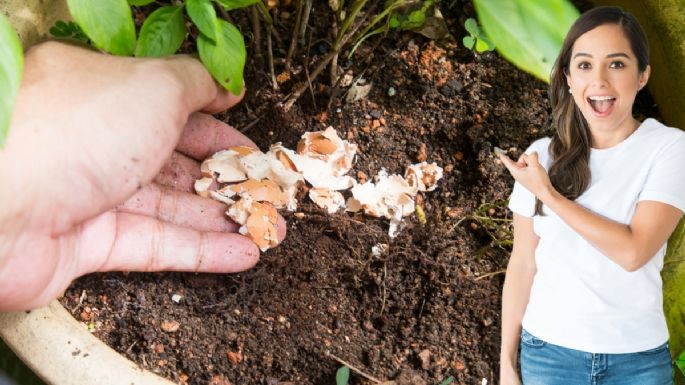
x=499, y=229
x=342, y=376
x=477, y=40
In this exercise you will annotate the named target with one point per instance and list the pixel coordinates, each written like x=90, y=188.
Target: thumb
x=201, y=92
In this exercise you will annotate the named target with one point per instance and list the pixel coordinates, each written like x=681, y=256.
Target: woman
x=593, y=209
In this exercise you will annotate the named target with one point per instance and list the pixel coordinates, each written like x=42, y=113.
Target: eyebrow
x=611, y=55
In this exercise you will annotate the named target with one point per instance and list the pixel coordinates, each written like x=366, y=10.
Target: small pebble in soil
x=176, y=298
x=170, y=326
x=392, y=92
x=234, y=357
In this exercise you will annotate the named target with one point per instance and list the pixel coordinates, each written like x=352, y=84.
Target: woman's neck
x=607, y=137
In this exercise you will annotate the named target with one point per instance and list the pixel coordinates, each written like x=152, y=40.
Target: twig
x=368, y=377
x=490, y=274
x=250, y=125
x=385, y=275
x=80, y=302
x=306, y=68
x=334, y=61
x=274, y=82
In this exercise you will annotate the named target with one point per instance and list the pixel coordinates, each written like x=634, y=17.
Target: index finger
x=203, y=135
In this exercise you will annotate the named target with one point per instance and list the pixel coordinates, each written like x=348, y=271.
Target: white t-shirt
x=580, y=299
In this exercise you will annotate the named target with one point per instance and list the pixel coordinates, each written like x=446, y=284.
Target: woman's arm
x=515, y=295
x=630, y=246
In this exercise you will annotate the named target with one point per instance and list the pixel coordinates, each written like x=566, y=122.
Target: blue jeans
x=543, y=363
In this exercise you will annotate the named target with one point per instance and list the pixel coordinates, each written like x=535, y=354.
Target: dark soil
x=428, y=308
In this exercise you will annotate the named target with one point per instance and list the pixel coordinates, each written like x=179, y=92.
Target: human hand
x=81, y=186
x=530, y=173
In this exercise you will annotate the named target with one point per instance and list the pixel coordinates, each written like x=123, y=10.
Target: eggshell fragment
x=261, y=225
x=332, y=201
x=258, y=220
x=202, y=186
x=424, y=176
x=225, y=166
x=327, y=146
x=260, y=191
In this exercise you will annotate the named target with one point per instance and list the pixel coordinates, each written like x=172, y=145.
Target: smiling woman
x=593, y=208
x=604, y=76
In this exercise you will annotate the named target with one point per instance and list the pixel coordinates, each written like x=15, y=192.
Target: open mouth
x=602, y=105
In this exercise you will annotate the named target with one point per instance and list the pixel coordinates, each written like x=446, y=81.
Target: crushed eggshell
x=202, y=186
x=329, y=147
x=258, y=220
x=254, y=184
x=424, y=176
x=332, y=201
x=391, y=197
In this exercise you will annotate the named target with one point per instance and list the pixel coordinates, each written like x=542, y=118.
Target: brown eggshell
x=261, y=225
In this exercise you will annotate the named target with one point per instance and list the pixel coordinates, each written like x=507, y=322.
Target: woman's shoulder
x=541, y=146
x=659, y=135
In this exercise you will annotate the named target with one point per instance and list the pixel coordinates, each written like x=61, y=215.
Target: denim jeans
x=543, y=363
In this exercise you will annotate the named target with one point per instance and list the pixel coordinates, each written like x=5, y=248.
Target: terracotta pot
x=62, y=351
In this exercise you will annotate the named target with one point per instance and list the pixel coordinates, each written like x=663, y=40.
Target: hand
x=529, y=172
x=89, y=136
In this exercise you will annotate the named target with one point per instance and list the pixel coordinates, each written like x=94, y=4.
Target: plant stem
x=296, y=30
x=305, y=20
x=274, y=83
x=256, y=33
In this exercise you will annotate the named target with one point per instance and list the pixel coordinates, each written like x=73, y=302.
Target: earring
x=569, y=91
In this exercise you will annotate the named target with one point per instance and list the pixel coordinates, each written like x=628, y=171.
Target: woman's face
x=603, y=77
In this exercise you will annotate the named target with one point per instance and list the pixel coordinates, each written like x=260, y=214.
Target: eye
x=617, y=64
x=584, y=65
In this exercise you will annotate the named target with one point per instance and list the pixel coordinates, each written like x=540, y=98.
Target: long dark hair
x=571, y=143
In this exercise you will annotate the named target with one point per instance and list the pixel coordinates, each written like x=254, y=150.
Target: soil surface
x=425, y=309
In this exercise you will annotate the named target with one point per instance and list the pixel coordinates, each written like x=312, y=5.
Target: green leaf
x=11, y=66
x=162, y=33
x=202, y=13
x=69, y=30
x=481, y=46
x=673, y=275
x=680, y=362
x=140, y=3
x=448, y=381
x=235, y=4
x=108, y=24
x=489, y=45
x=472, y=27
x=529, y=33
x=342, y=376
x=225, y=57
x=469, y=42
